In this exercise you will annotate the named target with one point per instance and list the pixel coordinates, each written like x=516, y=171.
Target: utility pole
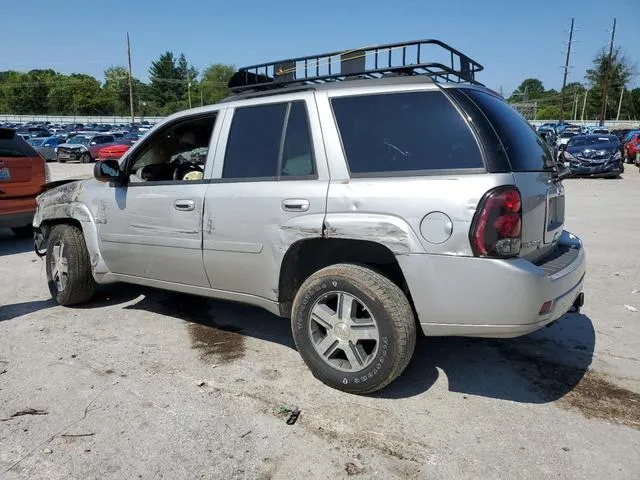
x=130, y=79
x=201, y=98
x=620, y=103
x=575, y=106
x=189, y=89
x=584, y=104
x=566, y=71
x=605, y=89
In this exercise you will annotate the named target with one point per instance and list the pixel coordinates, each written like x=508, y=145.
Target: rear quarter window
x=525, y=149
x=404, y=133
x=14, y=146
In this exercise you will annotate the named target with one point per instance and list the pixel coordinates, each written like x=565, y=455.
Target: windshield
x=133, y=136
x=568, y=134
x=79, y=140
x=35, y=142
x=591, y=141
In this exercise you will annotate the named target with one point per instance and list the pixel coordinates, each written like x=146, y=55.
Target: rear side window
x=404, y=133
x=13, y=146
x=524, y=147
x=269, y=142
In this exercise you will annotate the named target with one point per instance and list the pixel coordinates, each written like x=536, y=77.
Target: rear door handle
x=295, y=205
x=184, y=205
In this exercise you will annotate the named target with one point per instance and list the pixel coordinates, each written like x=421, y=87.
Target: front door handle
x=295, y=205
x=184, y=205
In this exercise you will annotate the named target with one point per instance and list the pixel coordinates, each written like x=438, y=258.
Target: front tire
x=85, y=158
x=353, y=327
x=69, y=266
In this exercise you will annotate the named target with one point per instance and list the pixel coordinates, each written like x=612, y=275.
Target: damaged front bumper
x=606, y=169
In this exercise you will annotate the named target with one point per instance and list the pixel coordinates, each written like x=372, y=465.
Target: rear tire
x=353, y=327
x=69, y=267
x=60, y=161
x=22, y=232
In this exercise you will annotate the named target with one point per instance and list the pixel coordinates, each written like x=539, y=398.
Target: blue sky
x=513, y=39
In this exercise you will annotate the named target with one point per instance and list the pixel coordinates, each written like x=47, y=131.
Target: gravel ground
x=150, y=384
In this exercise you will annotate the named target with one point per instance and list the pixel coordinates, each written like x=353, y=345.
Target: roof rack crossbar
x=401, y=58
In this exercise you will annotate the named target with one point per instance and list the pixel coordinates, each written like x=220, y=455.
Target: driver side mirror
x=108, y=171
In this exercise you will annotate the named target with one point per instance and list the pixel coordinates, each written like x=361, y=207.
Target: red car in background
x=115, y=150
x=631, y=148
x=112, y=152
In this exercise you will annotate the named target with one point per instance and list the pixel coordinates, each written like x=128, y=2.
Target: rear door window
x=525, y=149
x=404, y=133
x=254, y=142
x=269, y=142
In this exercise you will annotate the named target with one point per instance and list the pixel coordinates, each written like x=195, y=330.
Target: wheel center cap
x=341, y=331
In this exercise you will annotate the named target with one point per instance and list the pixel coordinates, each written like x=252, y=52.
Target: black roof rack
x=405, y=58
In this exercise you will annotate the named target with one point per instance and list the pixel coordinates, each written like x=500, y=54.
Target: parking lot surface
x=151, y=384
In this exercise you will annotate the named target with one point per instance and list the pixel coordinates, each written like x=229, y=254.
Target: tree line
x=173, y=85
x=614, y=73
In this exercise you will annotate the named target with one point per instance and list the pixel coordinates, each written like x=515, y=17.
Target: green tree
x=8, y=80
x=614, y=72
x=530, y=89
x=116, y=87
x=573, y=95
x=214, y=82
x=550, y=112
x=30, y=95
x=189, y=74
x=169, y=82
x=78, y=94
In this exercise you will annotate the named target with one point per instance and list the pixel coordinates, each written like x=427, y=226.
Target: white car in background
x=564, y=138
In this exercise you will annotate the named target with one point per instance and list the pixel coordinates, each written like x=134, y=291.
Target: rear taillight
x=497, y=224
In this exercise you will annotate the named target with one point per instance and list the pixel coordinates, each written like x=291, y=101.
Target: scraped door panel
x=155, y=232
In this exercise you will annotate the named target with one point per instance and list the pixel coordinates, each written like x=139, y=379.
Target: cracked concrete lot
x=151, y=384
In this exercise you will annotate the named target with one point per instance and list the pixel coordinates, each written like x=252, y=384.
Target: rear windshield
x=13, y=146
x=527, y=152
x=403, y=133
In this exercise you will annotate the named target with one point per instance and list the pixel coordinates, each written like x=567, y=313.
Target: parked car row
x=47, y=129
x=83, y=146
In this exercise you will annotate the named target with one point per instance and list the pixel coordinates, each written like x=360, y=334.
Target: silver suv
x=365, y=210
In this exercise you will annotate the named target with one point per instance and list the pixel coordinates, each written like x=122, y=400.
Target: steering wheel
x=188, y=171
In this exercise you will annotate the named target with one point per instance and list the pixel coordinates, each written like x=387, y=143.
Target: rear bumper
x=468, y=296
x=17, y=212
x=16, y=219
